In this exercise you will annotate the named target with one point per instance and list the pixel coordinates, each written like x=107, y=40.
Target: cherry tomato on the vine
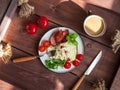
x=42, y=22
x=31, y=28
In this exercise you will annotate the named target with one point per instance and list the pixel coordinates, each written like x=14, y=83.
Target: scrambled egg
x=64, y=51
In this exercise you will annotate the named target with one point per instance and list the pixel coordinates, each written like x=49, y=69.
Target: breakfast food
x=64, y=51
x=94, y=25
x=58, y=36
x=65, y=48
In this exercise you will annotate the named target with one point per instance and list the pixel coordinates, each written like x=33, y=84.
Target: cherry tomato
x=42, y=22
x=42, y=48
x=79, y=57
x=76, y=62
x=67, y=65
x=46, y=43
x=31, y=28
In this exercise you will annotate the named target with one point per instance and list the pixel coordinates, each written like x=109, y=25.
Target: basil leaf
x=74, y=35
x=68, y=38
x=54, y=63
x=71, y=38
x=75, y=43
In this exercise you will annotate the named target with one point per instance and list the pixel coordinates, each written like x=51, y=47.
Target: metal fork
x=28, y=58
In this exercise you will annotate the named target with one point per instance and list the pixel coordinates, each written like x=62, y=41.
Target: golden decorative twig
x=116, y=42
x=5, y=52
x=25, y=9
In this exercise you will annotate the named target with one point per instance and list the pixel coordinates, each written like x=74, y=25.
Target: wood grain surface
x=101, y=71
x=116, y=84
x=113, y=5
x=4, y=4
x=76, y=12
x=33, y=75
x=7, y=86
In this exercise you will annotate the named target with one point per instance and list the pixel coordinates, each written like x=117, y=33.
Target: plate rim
x=52, y=30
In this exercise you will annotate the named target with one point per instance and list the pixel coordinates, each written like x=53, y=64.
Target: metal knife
x=88, y=71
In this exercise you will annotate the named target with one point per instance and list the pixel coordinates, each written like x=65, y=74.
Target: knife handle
x=23, y=59
x=76, y=86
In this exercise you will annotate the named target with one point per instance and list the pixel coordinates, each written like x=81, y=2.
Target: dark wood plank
x=113, y=5
x=7, y=86
x=33, y=75
x=3, y=8
x=20, y=37
x=106, y=67
x=116, y=83
x=7, y=18
x=72, y=14
x=17, y=36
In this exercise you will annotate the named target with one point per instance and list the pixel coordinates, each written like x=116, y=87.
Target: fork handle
x=23, y=59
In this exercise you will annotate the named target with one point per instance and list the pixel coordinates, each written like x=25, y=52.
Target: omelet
x=64, y=51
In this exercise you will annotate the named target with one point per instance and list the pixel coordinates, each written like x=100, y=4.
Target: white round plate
x=47, y=35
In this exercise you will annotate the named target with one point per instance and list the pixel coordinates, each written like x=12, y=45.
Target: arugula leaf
x=54, y=63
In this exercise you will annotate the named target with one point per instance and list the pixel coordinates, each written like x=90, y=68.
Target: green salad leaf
x=73, y=35
x=54, y=63
x=71, y=38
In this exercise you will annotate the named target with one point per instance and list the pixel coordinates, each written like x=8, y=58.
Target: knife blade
x=93, y=64
x=88, y=71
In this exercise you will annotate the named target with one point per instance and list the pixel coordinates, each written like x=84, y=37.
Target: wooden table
x=32, y=75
